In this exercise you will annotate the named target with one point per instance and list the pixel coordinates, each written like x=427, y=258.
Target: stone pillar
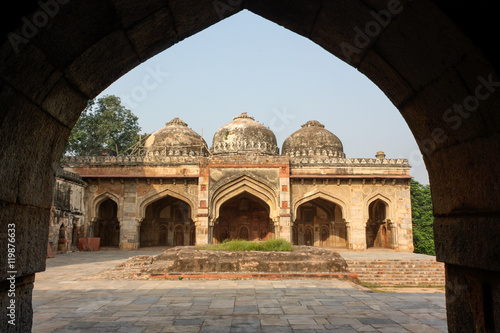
x=394, y=234
x=284, y=225
x=130, y=229
x=129, y=222
x=204, y=233
x=277, y=227
x=187, y=232
x=332, y=239
x=210, y=231
x=357, y=234
x=348, y=236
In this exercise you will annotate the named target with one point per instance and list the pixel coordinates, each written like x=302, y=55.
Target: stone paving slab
x=63, y=303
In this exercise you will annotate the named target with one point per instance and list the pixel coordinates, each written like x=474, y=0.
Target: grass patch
x=244, y=245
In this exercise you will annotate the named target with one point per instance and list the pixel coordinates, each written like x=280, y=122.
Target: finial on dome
x=311, y=123
x=380, y=155
x=176, y=122
x=243, y=116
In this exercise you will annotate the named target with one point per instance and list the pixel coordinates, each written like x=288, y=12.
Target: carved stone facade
x=67, y=213
x=179, y=192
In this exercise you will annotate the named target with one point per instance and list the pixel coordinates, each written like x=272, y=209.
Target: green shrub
x=244, y=245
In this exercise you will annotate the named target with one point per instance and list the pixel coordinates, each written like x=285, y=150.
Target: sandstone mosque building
x=178, y=192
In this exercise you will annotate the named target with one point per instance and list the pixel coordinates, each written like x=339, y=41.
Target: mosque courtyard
x=64, y=302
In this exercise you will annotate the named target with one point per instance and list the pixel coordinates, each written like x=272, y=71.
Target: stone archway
x=164, y=222
x=323, y=219
x=107, y=226
x=243, y=217
x=378, y=233
x=434, y=60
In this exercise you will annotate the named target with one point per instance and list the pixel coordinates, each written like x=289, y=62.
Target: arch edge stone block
x=454, y=234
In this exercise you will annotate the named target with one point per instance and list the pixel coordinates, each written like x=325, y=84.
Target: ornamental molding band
x=176, y=157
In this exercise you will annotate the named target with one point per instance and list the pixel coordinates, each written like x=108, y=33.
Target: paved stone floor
x=62, y=303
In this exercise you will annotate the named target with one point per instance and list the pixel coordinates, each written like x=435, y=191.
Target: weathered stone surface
x=455, y=233
x=300, y=16
x=300, y=260
x=472, y=299
x=29, y=252
x=159, y=26
x=86, y=73
x=67, y=212
x=313, y=139
x=244, y=135
x=176, y=138
x=186, y=260
x=22, y=308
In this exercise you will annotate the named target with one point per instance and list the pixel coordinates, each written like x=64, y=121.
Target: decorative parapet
x=315, y=154
x=244, y=147
x=157, y=159
x=334, y=161
x=188, y=151
x=70, y=176
x=133, y=160
x=248, y=159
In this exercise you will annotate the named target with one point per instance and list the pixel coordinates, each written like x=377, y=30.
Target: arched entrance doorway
x=179, y=235
x=243, y=217
x=165, y=223
x=107, y=226
x=163, y=236
x=319, y=222
x=377, y=233
x=62, y=241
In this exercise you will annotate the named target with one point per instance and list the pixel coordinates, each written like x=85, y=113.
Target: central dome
x=244, y=135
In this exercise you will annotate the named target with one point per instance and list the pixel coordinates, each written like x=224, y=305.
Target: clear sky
x=248, y=64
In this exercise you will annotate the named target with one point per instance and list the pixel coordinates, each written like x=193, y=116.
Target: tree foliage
x=423, y=219
x=104, y=123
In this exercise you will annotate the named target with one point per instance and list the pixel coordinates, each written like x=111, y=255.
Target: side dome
x=244, y=135
x=176, y=138
x=313, y=140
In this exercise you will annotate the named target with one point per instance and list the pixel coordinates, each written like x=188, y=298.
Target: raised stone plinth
x=188, y=262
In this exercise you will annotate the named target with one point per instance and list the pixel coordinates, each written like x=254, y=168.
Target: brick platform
x=391, y=268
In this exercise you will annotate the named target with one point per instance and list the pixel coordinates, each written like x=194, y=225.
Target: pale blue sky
x=248, y=64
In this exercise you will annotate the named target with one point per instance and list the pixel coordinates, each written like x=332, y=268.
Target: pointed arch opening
x=106, y=225
x=245, y=186
x=378, y=231
x=319, y=222
x=244, y=216
x=167, y=222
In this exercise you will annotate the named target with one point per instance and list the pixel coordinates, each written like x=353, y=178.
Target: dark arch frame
x=431, y=56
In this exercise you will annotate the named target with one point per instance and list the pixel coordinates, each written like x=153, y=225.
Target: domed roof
x=176, y=138
x=313, y=140
x=244, y=135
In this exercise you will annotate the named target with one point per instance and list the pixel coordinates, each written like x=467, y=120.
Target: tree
x=104, y=123
x=423, y=219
